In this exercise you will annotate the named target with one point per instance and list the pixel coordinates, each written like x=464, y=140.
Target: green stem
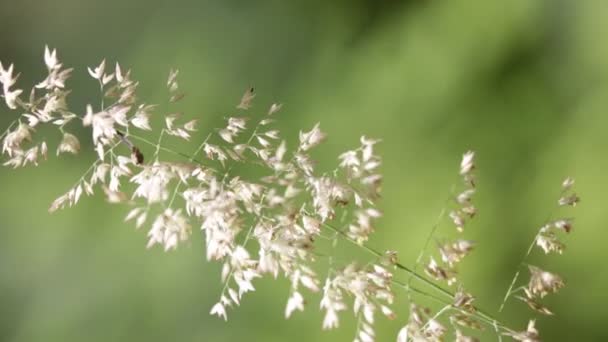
x=191, y=159
x=162, y=148
x=479, y=313
x=400, y=266
x=525, y=258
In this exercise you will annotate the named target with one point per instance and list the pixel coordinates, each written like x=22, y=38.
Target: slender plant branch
x=525, y=258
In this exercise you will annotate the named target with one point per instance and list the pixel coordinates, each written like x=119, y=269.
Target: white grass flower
x=549, y=243
x=172, y=80
x=7, y=80
x=464, y=300
x=295, y=302
x=152, y=182
x=467, y=164
x=219, y=310
x=571, y=200
x=30, y=156
x=543, y=282
x=191, y=125
x=438, y=272
x=246, y=99
x=563, y=225
x=6, y=76
x=98, y=72
x=56, y=77
x=114, y=196
x=350, y=160
x=530, y=335
x=141, y=118
x=119, y=114
x=175, y=130
x=311, y=138
x=458, y=220
x=535, y=305
x=103, y=125
x=70, y=198
x=311, y=225
x=567, y=183
x=274, y=108
x=169, y=228
x=11, y=97
x=50, y=58
x=139, y=214
x=547, y=238
x=13, y=140
x=44, y=150
x=465, y=196
x=243, y=269
x=420, y=327
x=227, y=135
x=237, y=125
x=119, y=74
x=452, y=253
x=107, y=78
x=332, y=302
x=69, y=144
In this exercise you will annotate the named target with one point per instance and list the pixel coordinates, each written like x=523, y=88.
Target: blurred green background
x=523, y=83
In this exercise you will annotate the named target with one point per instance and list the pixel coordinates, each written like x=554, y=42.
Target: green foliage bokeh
x=522, y=83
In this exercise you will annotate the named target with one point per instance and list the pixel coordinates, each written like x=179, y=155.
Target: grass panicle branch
x=269, y=225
